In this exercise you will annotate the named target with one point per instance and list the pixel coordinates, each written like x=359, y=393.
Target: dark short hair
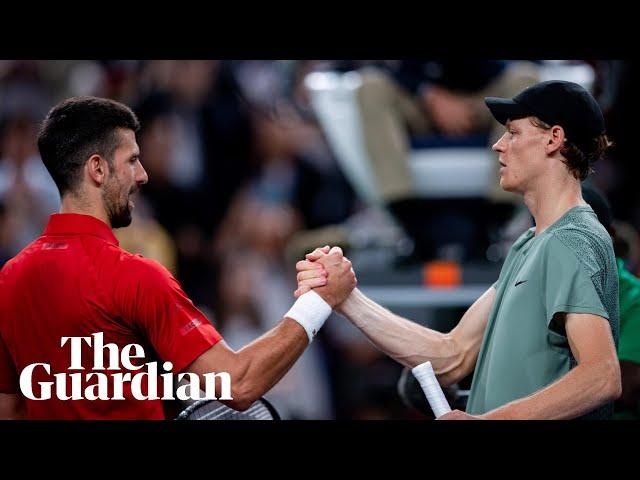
x=77, y=128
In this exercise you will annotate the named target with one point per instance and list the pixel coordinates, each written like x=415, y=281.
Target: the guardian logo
x=98, y=381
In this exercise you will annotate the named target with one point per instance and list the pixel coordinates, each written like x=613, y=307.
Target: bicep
x=156, y=304
x=470, y=330
x=590, y=338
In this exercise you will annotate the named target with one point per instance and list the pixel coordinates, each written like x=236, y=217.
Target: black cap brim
x=504, y=109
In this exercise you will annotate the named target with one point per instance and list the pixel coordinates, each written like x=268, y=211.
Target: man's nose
x=498, y=146
x=142, y=176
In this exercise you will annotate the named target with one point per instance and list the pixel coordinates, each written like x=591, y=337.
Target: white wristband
x=310, y=311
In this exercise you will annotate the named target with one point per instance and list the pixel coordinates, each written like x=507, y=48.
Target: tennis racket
x=215, y=410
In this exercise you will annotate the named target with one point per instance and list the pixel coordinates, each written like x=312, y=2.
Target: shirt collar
x=77, y=224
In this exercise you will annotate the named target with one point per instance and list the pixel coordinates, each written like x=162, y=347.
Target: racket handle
x=431, y=388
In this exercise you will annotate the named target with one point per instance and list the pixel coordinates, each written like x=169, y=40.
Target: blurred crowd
x=238, y=168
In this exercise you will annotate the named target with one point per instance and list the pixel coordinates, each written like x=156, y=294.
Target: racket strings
x=213, y=410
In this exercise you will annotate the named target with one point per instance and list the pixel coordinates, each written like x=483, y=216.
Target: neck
x=551, y=199
x=71, y=203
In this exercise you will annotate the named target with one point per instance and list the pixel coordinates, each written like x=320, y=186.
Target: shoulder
x=139, y=282
x=135, y=267
x=16, y=265
x=587, y=241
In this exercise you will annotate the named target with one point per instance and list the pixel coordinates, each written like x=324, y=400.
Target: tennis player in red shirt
x=75, y=281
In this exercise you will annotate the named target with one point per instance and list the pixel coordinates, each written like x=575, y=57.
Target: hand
x=329, y=273
x=459, y=415
x=451, y=113
x=311, y=274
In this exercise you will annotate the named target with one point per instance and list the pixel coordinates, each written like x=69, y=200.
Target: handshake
x=327, y=272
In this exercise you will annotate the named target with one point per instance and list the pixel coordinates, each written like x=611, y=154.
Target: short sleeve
x=150, y=297
x=567, y=287
x=8, y=373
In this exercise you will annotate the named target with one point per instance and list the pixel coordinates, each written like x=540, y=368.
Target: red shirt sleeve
x=152, y=299
x=8, y=374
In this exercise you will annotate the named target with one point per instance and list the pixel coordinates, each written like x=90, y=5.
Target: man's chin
x=506, y=186
x=121, y=221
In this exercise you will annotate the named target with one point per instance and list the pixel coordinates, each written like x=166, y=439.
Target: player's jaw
x=118, y=202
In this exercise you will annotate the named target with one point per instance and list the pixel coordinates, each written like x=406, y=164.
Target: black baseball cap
x=555, y=102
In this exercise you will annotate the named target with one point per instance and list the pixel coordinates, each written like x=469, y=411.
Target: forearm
x=263, y=362
x=580, y=391
x=403, y=340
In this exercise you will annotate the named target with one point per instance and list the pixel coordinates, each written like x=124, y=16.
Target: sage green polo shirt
x=570, y=267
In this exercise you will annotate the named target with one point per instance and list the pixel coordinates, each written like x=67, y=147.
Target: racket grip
x=435, y=396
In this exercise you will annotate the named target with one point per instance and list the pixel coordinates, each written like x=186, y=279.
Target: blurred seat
x=441, y=167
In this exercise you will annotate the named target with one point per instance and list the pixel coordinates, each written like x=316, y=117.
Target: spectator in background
x=628, y=406
x=623, y=94
x=23, y=89
x=26, y=189
x=284, y=196
x=147, y=237
x=197, y=137
x=419, y=97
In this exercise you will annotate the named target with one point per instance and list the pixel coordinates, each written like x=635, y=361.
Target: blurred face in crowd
x=521, y=153
x=16, y=142
x=192, y=79
x=157, y=141
x=123, y=180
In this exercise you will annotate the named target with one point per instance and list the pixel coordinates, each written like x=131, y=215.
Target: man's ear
x=97, y=169
x=555, y=140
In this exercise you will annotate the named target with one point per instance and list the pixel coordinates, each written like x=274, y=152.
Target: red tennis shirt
x=75, y=281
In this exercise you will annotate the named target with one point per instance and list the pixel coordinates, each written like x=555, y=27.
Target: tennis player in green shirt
x=542, y=340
